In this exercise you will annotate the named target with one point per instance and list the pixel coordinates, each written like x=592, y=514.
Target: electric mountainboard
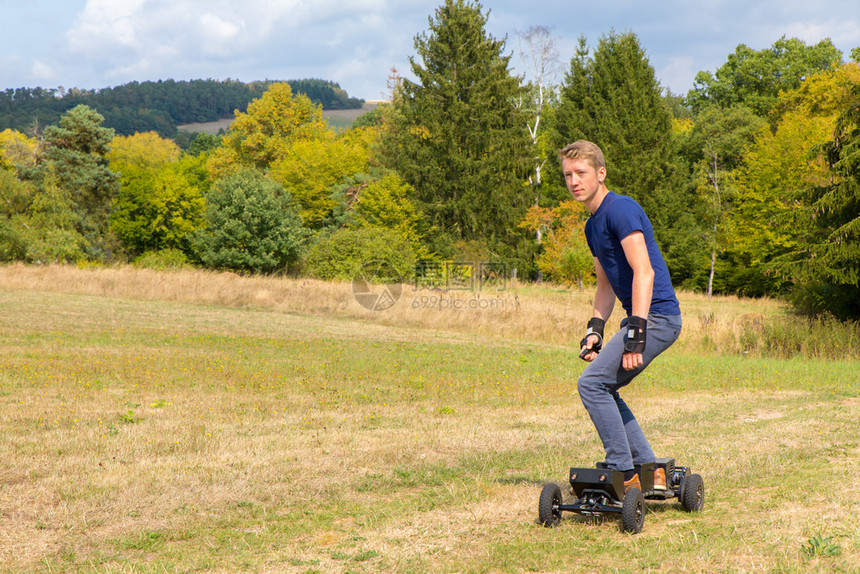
x=600, y=492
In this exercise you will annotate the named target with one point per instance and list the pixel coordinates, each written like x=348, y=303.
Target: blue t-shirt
x=617, y=217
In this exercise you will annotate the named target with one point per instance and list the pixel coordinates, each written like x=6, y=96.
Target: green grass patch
x=152, y=436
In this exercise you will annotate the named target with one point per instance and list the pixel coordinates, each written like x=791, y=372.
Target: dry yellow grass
x=518, y=312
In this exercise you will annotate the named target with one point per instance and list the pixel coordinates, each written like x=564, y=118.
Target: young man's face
x=582, y=179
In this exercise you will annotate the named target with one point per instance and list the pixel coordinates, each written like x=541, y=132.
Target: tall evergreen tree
x=76, y=156
x=613, y=99
x=456, y=134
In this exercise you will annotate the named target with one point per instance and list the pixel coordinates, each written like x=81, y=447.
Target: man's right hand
x=586, y=354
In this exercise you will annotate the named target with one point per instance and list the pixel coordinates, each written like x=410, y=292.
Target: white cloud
x=220, y=29
x=845, y=34
x=679, y=71
x=43, y=71
x=217, y=36
x=106, y=42
x=105, y=24
x=128, y=36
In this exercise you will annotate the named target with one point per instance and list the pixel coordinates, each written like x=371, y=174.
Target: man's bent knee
x=590, y=387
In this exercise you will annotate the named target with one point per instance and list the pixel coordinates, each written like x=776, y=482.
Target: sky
x=94, y=44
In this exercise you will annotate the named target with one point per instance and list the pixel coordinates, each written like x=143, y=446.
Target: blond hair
x=584, y=150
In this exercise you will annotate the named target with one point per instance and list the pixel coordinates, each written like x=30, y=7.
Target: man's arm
x=636, y=252
x=604, y=298
x=604, y=302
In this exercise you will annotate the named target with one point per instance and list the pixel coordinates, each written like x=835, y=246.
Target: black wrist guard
x=634, y=339
x=595, y=327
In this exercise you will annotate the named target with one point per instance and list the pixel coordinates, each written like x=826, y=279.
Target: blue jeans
x=623, y=440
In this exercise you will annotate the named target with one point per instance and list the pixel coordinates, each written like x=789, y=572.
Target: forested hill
x=155, y=106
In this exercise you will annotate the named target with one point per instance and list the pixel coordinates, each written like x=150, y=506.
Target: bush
x=157, y=208
x=54, y=245
x=253, y=225
x=784, y=337
x=344, y=252
x=12, y=245
x=164, y=260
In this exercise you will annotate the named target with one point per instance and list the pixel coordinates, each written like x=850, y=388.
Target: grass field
x=199, y=422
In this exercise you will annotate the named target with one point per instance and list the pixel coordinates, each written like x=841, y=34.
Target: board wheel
x=550, y=498
x=633, y=511
x=692, y=493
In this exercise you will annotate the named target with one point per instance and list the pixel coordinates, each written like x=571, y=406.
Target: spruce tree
x=455, y=133
x=613, y=99
x=76, y=157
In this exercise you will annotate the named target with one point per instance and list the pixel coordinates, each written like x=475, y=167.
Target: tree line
x=155, y=106
x=751, y=178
